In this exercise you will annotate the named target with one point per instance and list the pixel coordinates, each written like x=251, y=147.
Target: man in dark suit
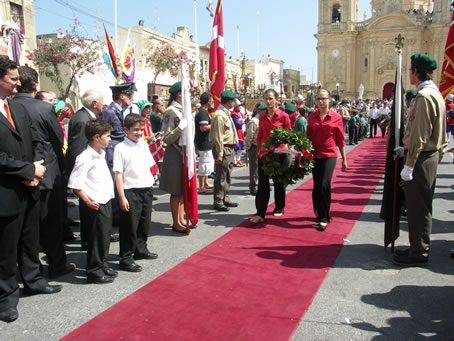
x=53, y=185
x=92, y=102
x=21, y=169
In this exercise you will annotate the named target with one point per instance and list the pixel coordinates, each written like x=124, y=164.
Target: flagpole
x=397, y=119
x=116, y=33
x=197, y=61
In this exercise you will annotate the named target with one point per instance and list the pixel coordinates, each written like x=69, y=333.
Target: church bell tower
x=342, y=13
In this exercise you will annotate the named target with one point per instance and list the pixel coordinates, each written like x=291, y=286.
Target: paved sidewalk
x=364, y=296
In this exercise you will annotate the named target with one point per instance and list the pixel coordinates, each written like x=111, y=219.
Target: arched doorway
x=388, y=90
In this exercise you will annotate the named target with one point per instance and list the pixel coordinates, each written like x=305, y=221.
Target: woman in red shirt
x=326, y=131
x=270, y=119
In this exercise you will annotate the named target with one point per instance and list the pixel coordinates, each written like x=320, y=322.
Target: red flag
x=187, y=140
x=447, y=71
x=113, y=58
x=217, y=61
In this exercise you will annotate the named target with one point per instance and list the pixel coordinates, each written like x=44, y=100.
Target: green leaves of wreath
x=300, y=165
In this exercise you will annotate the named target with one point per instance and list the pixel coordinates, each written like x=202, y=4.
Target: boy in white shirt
x=91, y=181
x=131, y=163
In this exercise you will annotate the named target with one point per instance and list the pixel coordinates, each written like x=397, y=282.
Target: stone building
x=352, y=53
x=292, y=80
x=17, y=14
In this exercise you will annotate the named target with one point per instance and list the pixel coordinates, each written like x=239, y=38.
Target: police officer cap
x=227, y=95
x=344, y=101
x=290, y=108
x=175, y=88
x=262, y=107
x=127, y=88
x=423, y=61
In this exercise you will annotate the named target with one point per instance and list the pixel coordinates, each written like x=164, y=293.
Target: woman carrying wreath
x=326, y=131
x=268, y=120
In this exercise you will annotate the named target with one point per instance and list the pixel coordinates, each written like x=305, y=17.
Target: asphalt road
x=364, y=296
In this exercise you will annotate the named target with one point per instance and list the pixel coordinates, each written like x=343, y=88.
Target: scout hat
x=290, y=108
x=175, y=88
x=344, y=101
x=409, y=95
x=228, y=95
x=142, y=104
x=59, y=105
x=262, y=107
x=335, y=102
x=423, y=61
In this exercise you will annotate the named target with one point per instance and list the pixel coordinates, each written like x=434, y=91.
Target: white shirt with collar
x=91, y=175
x=91, y=113
x=134, y=160
x=2, y=107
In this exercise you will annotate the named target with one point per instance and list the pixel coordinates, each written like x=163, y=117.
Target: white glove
x=183, y=124
x=407, y=173
x=400, y=151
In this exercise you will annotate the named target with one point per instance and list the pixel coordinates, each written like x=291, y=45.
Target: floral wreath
x=383, y=120
x=299, y=149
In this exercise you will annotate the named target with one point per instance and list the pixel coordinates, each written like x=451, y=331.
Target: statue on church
x=13, y=37
x=360, y=91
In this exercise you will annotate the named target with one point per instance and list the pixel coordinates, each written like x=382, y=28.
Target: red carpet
x=252, y=283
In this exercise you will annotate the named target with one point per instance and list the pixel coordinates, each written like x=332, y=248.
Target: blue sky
x=282, y=29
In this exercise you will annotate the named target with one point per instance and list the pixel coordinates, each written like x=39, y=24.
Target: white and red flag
x=217, y=58
x=187, y=141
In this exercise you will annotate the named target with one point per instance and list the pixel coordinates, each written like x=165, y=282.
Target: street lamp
x=337, y=87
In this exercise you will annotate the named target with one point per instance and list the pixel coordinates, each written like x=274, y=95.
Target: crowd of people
x=111, y=157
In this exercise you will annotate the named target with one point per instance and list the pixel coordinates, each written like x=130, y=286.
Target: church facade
x=354, y=54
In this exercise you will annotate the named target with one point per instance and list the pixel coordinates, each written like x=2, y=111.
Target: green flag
x=393, y=202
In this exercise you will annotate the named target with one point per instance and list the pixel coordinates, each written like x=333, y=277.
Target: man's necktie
x=8, y=115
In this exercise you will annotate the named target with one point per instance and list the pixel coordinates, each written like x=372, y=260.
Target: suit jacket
x=50, y=133
x=18, y=149
x=77, y=142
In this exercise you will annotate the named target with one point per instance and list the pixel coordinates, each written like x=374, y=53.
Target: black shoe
x=451, y=253
x=84, y=246
x=70, y=267
x=131, y=267
x=183, y=231
x=114, y=238
x=110, y=272
x=254, y=193
x=45, y=290
x=212, y=176
x=9, y=315
x=148, y=255
x=221, y=208
x=231, y=204
x=410, y=260
x=69, y=237
x=100, y=280
x=322, y=226
x=402, y=252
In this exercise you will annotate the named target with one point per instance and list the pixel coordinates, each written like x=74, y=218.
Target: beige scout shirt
x=170, y=120
x=426, y=125
x=251, y=133
x=343, y=111
x=221, y=131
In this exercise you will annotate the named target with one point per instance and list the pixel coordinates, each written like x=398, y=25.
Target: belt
x=229, y=145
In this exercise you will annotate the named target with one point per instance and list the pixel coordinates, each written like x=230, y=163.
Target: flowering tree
x=79, y=54
x=163, y=58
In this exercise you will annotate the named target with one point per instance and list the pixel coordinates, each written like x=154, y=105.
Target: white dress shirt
x=134, y=160
x=373, y=113
x=91, y=175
